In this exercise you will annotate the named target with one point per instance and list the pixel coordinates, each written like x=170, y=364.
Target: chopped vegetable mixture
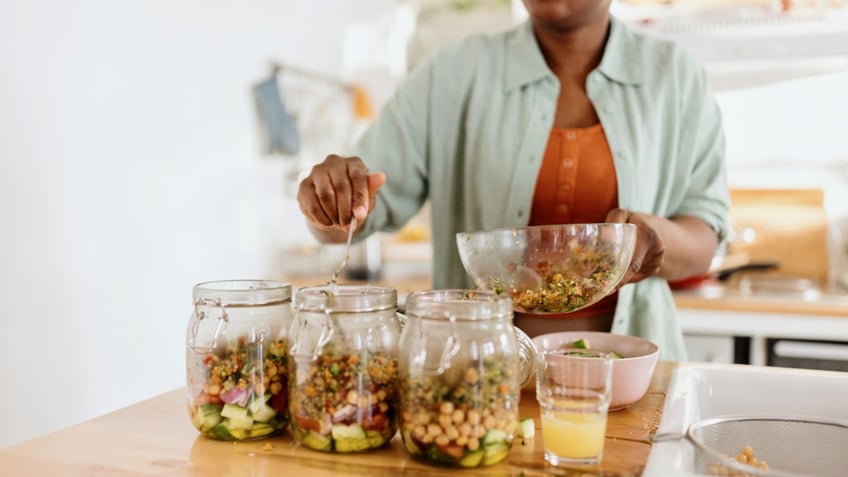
x=239, y=391
x=468, y=423
x=345, y=402
x=583, y=277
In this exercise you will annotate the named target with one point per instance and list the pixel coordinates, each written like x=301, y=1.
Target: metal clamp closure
x=200, y=315
x=324, y=336
x=451, y=349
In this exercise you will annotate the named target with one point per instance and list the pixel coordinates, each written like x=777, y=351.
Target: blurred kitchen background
x=149, y=145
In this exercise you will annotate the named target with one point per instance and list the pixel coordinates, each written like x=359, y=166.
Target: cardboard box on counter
x=789, y=226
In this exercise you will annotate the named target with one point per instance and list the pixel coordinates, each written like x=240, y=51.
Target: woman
x=570, y=117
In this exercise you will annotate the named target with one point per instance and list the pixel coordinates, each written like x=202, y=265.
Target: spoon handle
x=334, y=281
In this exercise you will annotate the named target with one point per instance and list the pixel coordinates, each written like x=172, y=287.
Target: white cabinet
x=709, y=348
x=709, y=334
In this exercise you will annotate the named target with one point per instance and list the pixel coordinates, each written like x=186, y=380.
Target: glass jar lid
x=461, y=305
x=243, y=292
x=346, y=298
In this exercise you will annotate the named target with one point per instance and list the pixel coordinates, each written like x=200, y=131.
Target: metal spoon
x=332, y=285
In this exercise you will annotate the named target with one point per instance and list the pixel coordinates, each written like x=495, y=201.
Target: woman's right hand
x=337, y=190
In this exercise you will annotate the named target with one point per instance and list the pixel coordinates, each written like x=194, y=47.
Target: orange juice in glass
x=573, y=390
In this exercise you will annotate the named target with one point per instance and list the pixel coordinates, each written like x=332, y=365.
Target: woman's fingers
x=336, y=190
x=649, y=250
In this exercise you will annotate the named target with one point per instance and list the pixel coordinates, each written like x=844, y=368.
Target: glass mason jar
x=462, y=368
x=236, y=358
x=344, y=367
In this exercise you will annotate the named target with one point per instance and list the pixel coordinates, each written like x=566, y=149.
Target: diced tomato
x=280, y=401
x=453, y=450
x=375, y=422
x=308, y=424
x=204, y=398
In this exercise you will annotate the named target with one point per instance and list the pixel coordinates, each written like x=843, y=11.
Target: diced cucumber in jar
x=316, y=441
x=351, y=445
x=353, y=431
x=353, y=438
x=472, y=459
x=207, y=416
x=375, y=439
x=239, y=423
x=259, y=430
x=527, y=428
x=210, y=409
x=264, y=413
x=494, y=436
x=257, y=404
x=221, y=431
x=410, y=445
x=256, y=431
x=234, y=412
x=495, y=453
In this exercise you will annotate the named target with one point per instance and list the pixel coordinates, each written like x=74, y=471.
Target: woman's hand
x=335, y=191
x=673, y=248
x=649, y=251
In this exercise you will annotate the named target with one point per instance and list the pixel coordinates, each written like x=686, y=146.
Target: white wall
x=792, y=134
x=131, y=170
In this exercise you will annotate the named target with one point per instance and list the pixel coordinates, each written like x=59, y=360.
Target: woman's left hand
x=649, y=250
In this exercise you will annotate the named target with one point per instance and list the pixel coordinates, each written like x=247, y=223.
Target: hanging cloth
x=281, y=132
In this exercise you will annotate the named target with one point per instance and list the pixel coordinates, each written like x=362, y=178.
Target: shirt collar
x=525, y=63
x=622, y=57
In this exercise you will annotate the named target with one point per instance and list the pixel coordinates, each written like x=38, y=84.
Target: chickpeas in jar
x=344, y=368
x=462, y=366
x=468, y=423
x=237, y=359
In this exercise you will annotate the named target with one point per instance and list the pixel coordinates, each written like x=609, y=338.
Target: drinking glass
x=573, y=389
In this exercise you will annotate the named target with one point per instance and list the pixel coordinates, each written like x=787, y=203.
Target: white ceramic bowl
x=631, y=374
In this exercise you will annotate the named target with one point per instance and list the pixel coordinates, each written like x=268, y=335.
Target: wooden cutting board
x=789, y=226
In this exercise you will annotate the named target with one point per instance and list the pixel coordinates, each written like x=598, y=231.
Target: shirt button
x=521, y=213
x=562, y=209
x=607, y=109
x=568, y=162
x=565, y=188
x=571, y=136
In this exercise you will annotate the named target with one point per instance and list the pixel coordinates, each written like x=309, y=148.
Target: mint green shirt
x=467, y=130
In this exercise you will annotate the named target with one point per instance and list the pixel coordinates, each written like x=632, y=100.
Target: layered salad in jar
x=239, y=391
x=344, y=402
x=466, y=417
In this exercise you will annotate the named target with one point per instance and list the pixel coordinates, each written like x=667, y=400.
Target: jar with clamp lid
x=237, y=358
x=462, y=367
x=343, y=368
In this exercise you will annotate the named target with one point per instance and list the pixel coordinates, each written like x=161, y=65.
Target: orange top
x=577, y=184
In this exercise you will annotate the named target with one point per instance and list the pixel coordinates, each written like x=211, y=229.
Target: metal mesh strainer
x=790, y=446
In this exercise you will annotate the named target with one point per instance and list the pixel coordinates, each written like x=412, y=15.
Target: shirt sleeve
x=396, y=144
x=703, y=141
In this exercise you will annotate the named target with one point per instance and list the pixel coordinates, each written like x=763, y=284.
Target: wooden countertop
x=155, y=438
x=718, y=297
